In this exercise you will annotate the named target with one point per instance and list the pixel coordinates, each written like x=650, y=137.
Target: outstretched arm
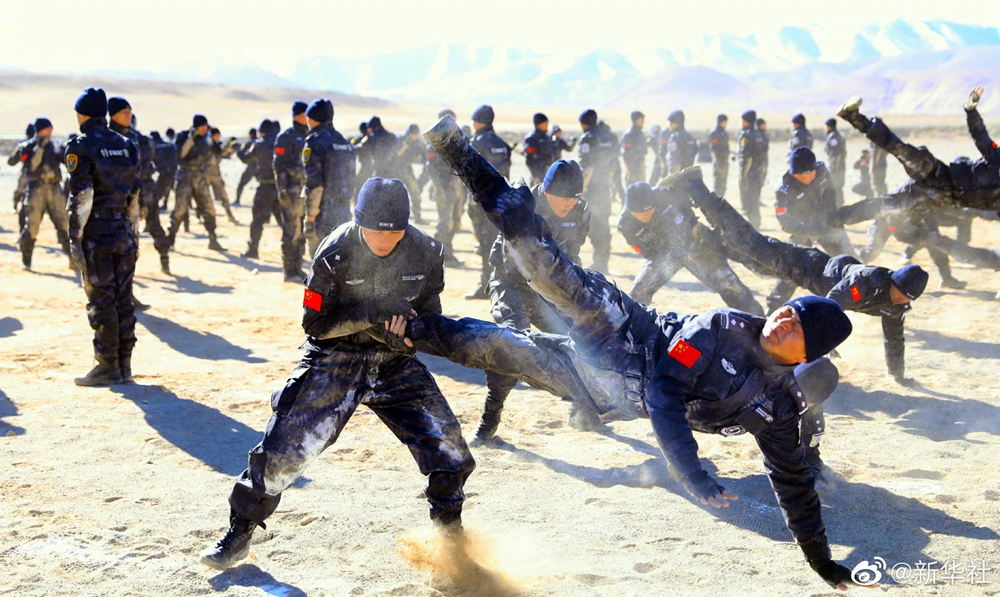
x=977, y=128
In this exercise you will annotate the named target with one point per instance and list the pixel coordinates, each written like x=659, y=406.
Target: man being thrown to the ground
x=854, y=286
x=365, y=275
x=723, y=371
x=963, y=183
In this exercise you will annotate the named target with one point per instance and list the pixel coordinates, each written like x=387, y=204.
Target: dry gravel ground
x=115, y=491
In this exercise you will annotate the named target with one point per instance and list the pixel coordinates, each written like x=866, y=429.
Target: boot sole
x=85, y=383
x=853, y=104
x=216, y=565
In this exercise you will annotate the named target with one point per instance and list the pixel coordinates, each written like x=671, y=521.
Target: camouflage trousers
x=318, y=399
x=41, y=198
x=265, y=205
x=720, y=175
x=293, y=241
x=188, y=186
x=150, y=207
x=109, y=251
x=218, y=187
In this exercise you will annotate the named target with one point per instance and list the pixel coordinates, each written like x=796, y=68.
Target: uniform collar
x=93, y=122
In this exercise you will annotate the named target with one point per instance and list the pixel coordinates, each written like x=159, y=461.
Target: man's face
x=806, y=177
x=828, y=129
x=46, y=132
x=783, y=338
x=201, y=130
x=561, y=206
x=640, y=122
x=897, y=296
x=414, y=136
x=382, y=242
x=762, y=127
x=312, y=123
x=543, y=126
x=123, y=118
x=672, y=126
x=301, y=118
x=722, y=125
x=217, y=137
x=796, y=125
x=744, y=123
x=644, y=216
x=557, y=134
x=478, y=126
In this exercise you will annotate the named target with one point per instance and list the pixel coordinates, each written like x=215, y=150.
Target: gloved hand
x=76, y=254
x=381, y=310
x=706, y=490
x=972, y=102
x=835, y=575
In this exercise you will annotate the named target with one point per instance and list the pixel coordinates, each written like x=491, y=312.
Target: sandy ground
x=115, y=491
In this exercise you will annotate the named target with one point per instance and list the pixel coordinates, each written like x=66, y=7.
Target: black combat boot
x=213, y=243
x=851, y=112
x=125, y=365
x=475, y=171
x=26, y=261
x=584, y=419
x=165, y=263
x=251, y=252
x=234, y=545
x=490, y=422
x=106, y=373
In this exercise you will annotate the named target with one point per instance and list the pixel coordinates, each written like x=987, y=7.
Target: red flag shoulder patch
x=636, y=249
x=313, y=300
x=855, y=293
x=530, y=150
x=893, y=229
x=431, y=155
x=279, y=150
x=685, y=354
x=781, y=211
x=24, y=157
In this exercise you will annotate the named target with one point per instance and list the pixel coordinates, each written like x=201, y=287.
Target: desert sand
x=115, y=491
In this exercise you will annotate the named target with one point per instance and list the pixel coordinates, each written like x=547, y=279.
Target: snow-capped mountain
x=901, y=66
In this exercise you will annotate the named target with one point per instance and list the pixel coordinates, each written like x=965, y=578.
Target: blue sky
x=62, y=36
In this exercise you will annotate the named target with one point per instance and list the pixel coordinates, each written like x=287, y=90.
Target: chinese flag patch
x=893, y=229
x=24, y=157
x=313, y=300
x=781, y=211
x=279, y=150
x=855, y=293
x=685, y=354
x=636, y=249
x=530, y=150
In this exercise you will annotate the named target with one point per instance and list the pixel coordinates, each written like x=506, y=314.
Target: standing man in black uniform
x=497, y=152
x=122, y=123
x=678, y=147
x=683, y=372
x=660, y=225
x=801, y=137
x=449, y=197
x=331, y=170
x=103, y=212
x=765, y=143
x=22, y=179
x=539, y=149
x=718, y=141
x=597, y=159
x=42, y=158
x=561, y=144
x=192, y=152
x=635, y=145
x=165, y=164
x=290, y=176
x=265, y=200
x=616, y=176
x=875, y=291
x=368, y=277
x=377, y=153
x=248, y=172
x=514, y=303
x=805, y=208
x=749, y=160
x=836, y=159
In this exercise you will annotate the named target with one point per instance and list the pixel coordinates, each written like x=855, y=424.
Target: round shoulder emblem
x=306, y=154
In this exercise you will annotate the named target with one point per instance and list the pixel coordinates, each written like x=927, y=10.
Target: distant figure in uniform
x=497, y=152
x=634, y=148
x=765, y=142
x=368, y=277
x=836, y=159
x=750, y=159
x=165, y=163
x=265, y=200
x=863, y=166
x=290, y=177
x=103, y=213
x=13, y=160
x=219, y=151
x=248, y=172
x=539, y=148
x=331, y=172
x=598, y=157
x=193, y=154
x=42, y=158
x=801, y=137
x=679, y=148
x=377, y=153
x=718, y=140
x=410, y=150
x=562, y=144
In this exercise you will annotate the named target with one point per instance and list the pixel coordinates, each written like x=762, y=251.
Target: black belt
x=108, y=213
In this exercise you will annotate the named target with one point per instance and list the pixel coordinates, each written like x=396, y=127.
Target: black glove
x=76, y=255
x=384, y=309
x=832, y=572
x=701, y=486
